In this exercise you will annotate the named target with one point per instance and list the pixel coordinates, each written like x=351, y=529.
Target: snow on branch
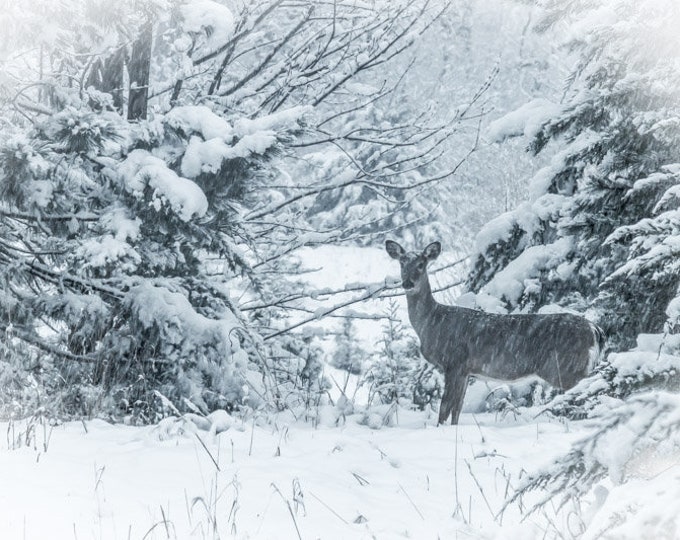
x=528, y=120
x=653, y=363
x=141, y=168
x=645, y=421
x=387, y=289
x=370, y=293
x=212, y=21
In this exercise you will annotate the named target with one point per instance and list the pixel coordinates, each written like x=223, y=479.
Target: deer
x=560, y=348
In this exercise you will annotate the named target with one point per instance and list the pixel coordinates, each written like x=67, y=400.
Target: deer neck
x=421, y=306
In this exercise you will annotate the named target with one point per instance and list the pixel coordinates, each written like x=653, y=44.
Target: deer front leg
x=459, y=387
x=452, y=399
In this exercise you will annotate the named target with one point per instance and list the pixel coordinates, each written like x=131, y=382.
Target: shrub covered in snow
x=620, y=440
x=348, y=355
x=397, y=373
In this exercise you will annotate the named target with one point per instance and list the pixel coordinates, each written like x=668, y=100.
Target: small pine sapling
x=348, y=355
x=397, y=373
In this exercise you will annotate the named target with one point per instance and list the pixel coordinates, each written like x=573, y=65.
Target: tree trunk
x=139, y=67
x=107, y=76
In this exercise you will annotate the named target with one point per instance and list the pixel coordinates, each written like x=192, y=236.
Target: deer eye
x=421, y=265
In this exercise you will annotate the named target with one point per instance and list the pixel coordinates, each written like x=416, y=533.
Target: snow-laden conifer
x=157, y=176
x=600, y=234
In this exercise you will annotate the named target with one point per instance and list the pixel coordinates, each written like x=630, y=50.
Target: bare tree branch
x=258, y=69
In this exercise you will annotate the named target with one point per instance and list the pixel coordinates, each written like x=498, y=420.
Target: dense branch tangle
x=285, y=54
x=290, y=53
x=344, y=63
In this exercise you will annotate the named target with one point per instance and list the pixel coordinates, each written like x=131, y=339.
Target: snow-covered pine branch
x=600, y=234
x=647, y=422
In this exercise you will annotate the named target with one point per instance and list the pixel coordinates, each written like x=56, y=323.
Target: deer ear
x=432, y=251
x=394, y=250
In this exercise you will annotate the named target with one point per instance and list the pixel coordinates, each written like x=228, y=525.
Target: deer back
x=559, y=348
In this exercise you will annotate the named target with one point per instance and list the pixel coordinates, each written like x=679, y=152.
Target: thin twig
x=481, y=490
x=411, y=501
x=330, y=509
x=217, y=466
x=290, y=509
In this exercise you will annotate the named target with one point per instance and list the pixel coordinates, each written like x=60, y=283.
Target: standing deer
x=560, y=348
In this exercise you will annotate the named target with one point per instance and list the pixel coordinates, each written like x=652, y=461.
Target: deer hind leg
x=452, y=399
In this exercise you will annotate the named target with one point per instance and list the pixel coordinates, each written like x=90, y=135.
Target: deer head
x=413, y=264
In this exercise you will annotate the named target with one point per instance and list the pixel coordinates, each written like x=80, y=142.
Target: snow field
x=278, y=480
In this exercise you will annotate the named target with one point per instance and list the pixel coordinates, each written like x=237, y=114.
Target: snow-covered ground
x=289, y=479
x=275, y=480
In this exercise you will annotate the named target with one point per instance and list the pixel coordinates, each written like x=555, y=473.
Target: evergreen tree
x=397, y=373
x=348, y=354
x=150, y=193
x=103, y=248
x=601, y=232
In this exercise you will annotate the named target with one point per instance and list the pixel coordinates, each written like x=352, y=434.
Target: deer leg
x=459, y=387
x=447, y=400
x=452, y=399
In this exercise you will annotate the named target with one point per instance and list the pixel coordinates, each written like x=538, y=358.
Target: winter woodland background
x=194, y=196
